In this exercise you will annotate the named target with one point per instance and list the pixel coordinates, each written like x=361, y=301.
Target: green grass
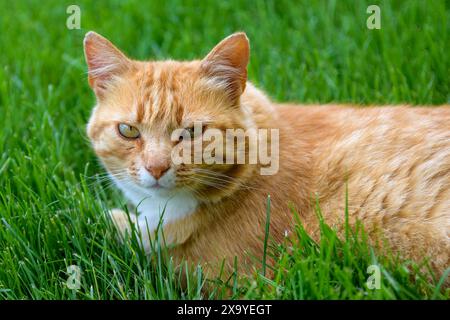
x=52, y=204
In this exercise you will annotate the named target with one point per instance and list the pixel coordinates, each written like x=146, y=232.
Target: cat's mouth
x=162, y=182
x=157, y=186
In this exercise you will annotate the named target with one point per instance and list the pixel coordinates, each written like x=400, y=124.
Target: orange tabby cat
x=395, y=161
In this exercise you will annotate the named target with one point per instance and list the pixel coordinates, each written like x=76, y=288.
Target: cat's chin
x=161, y=191
x=158, y=189
x=143, y=190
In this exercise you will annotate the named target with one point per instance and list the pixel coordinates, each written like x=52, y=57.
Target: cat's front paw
x=122, y=221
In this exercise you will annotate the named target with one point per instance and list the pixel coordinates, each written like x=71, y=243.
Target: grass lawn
x=53, y=196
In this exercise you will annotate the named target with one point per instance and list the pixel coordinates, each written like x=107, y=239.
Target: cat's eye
x=190, y=132
x=187, y=132
x=128, y=131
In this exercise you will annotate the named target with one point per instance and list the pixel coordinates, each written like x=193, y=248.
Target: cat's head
x=140, y=105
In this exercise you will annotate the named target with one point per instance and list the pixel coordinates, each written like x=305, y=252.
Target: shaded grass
x=338, y=268
x=52, y=202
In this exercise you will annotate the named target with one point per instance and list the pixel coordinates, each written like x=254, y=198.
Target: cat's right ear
x=104, y=60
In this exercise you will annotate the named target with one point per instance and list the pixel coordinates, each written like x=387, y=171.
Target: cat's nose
x=157, y=171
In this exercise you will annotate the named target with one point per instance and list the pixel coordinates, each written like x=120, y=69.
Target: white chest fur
x=158, y=205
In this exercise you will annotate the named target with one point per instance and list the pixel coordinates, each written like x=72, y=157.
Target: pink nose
x=157, y=171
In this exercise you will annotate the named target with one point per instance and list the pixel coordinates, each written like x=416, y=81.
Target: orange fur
x=394, y=160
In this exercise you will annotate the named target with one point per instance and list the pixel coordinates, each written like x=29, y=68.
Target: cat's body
x=394, y=161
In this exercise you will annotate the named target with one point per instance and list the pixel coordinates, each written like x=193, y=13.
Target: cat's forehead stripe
x=158, y=100
x=143, y=103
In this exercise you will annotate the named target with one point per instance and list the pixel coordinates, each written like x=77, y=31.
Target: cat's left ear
x=226, y=64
